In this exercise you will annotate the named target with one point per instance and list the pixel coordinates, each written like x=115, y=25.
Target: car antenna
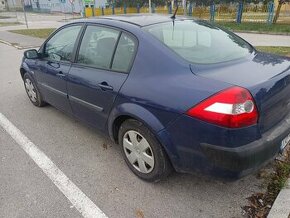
x=175, y=12
x=173, y=17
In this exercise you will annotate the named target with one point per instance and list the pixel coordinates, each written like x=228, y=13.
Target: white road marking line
x=80, y=201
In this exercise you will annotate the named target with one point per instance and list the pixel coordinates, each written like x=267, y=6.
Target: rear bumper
x=250, y=157
x=199, y=152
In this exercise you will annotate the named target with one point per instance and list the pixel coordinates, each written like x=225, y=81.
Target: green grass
x=284, y=51
x=277, y=180
x=9, y=23
x=258, y=27
x=281, y=176
x=4, y=17
x=274, y=180
x=40, y=33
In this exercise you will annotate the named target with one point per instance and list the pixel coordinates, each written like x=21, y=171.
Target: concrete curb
x=261, y=32
x=10, y=44
x=281, y=206
x=15, y=45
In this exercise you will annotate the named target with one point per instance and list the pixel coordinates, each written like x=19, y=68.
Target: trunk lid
x=266, y=76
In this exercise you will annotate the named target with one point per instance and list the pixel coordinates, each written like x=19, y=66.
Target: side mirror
x=31, y=54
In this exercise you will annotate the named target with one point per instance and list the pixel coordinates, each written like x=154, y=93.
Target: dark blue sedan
x=178, y=94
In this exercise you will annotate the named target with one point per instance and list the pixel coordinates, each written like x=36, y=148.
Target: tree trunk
x=277, y=13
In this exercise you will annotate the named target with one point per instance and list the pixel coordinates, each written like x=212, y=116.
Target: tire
x=32, y=91
x=142, y=152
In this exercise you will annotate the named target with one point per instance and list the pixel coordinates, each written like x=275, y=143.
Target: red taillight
x=233, y=108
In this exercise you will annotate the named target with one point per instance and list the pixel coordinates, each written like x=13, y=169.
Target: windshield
x=200, y=42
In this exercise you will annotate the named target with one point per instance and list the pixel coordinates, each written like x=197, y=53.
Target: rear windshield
x=200, y=42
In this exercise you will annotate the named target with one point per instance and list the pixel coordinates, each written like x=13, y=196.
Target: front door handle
x=53, y=64
x=105, y=86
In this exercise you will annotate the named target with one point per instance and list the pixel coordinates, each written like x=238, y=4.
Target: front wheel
x=32, y=91
x=142, y=152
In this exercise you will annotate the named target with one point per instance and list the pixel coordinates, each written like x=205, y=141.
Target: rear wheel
x=32, y=91
x=142, y=152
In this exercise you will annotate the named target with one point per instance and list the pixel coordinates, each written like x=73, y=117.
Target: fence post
x=93, y=10
x=190, y=9
x=271, y=8
x=169, y=9
x=240, y=12
x=153, y=8
x=138, y=8
x=212, y=11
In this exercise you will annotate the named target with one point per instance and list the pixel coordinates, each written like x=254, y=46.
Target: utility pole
x=24, y=13
x=150, y=8
x=184, y=7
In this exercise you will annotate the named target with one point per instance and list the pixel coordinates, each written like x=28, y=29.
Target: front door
x=100, y=69
x=55, y=64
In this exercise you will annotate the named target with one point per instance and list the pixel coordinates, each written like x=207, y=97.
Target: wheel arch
x=22, y=72
x=24, y=69
x=131, y=111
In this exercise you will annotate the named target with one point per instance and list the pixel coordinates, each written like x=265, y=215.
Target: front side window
x=98, y=46
x=124, y=53
x=60, y=46
x=200, y=42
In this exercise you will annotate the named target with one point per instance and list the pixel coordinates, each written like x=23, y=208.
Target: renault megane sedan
x=175, y=93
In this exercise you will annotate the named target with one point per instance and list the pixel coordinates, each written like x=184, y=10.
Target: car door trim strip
x=86, y=104
x=53, y=89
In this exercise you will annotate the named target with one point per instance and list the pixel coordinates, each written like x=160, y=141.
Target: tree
x=281, y=2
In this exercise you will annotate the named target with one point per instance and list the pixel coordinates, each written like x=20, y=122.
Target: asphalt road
x=94, y=165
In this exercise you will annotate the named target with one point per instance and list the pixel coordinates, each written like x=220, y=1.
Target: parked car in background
x=177, y=94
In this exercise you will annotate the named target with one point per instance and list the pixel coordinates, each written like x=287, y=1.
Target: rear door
x=54, y=66
x=101, y=67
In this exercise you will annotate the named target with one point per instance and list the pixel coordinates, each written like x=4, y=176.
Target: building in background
x=48, y=6
x=64, y=6
x=12, y=4
x=100, y=3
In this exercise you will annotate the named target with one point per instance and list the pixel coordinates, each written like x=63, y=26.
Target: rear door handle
x=105, y=86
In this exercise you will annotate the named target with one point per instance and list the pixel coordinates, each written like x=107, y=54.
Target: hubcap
x=30, y=90
x=138, y=151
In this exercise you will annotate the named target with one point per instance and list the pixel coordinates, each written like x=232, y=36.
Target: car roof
x=139, y=19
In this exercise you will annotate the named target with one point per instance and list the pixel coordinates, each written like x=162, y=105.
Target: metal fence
x=260, y=13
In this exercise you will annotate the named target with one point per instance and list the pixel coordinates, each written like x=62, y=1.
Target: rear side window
x=98, y=46
x=124, y=54
x=60, y=46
